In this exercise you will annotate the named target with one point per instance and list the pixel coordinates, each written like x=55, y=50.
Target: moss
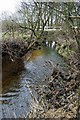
x=65, y=54
x=57, y=48
x=63, y=50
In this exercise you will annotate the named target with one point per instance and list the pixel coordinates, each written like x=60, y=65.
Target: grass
x=8, y=36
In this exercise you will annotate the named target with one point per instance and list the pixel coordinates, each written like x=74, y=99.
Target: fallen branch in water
x=34, y=98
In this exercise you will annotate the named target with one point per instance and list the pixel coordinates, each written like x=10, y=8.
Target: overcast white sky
x=8, y=5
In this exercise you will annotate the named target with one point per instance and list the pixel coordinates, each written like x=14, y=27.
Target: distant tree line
x=35, y=16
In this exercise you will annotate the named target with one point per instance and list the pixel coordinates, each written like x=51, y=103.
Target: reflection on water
x=36, y=54
x=16, y=95
x=11, y=68
x=50, y=44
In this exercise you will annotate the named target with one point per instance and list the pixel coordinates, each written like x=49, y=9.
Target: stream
x=16, y=97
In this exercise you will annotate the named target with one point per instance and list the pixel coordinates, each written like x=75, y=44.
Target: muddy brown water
x=16, y=97
x=9, y=67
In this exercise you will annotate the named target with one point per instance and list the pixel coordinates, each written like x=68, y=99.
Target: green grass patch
x=16, y=35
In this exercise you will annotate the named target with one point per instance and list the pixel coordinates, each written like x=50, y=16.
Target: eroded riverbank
x=37, y=67
x=58, y=98
x=16, y=94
